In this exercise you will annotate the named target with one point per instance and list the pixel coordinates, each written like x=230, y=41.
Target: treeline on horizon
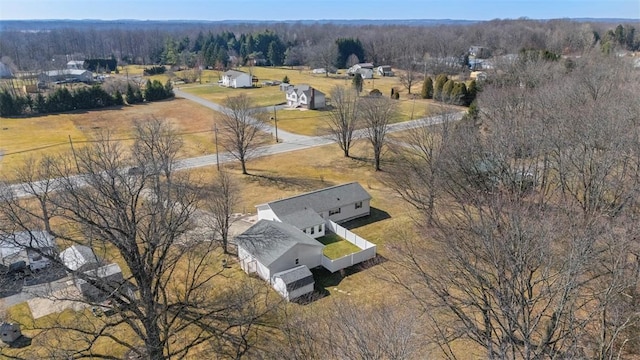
x=225, y=45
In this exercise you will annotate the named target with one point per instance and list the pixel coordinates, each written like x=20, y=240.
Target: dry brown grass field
x=270, y=177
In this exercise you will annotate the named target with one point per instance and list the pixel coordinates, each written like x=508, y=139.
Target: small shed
x=293, y=283
x=9, y=332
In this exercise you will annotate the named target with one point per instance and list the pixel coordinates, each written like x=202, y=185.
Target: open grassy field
x=22, y=138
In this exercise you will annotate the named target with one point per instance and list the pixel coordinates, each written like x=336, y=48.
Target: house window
x=334, y=211
x=297, y=261
x=359, y=205
x=320, y=227
x=313, y=230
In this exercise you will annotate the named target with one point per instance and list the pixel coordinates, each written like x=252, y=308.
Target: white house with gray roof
x=282, y=244
x=236, y=79
x=27, y=246
x=269, y=247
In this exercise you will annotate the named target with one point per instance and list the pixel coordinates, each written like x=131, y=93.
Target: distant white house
x=304, y=96
x=79, y=258
x=281, y=247
x=75, y=64
x=66, y=75
x=236, y=79
x=319, y=71
x=27, y=246
x=384, y=70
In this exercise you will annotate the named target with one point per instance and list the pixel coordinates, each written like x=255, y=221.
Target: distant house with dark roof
x=304, y=96
x=281, y=247
x=109, y=276
x=236, y=79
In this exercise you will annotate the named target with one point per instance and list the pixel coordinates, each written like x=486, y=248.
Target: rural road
x=288, y=142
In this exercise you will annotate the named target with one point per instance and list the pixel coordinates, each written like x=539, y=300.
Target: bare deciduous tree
x=343, y=117
x=168, y=303
x=242, y=124
x=220, y=203
x=377, y=113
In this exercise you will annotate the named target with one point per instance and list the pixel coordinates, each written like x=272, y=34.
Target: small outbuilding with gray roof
x=293, y=283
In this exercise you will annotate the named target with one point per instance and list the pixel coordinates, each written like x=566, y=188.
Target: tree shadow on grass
x=325, y=281
x=375, y=215
x=288, y=183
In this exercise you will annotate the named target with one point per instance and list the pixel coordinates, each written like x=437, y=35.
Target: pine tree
x=437, y=89
x=427, y=88
x=117, y=98
x=357, y=83
x=446, y=91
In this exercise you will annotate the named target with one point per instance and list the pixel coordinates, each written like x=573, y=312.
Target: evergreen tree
x=446, y=91
x=40, y=104
x=437, y=89
x=347, y=47
x=117, y=98
x=472, y=91
x=131, y=96
x=427, y=88
x=357, y=83
x=285, y=79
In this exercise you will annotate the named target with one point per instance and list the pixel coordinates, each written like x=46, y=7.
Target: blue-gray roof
x=321, y=200
x=267, y=240
x=296, y=278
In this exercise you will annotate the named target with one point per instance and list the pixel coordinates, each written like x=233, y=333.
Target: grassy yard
x=336, y=247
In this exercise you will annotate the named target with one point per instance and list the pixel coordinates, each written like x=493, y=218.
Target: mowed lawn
x=336, y=247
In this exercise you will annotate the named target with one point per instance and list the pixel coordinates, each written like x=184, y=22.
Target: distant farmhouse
x=365, y=70
x=281, y=247
x=236, y=79
x=75, y=65
x=66, y=75
x=304, y=96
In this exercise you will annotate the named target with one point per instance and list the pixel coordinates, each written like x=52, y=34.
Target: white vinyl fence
x=368, y=249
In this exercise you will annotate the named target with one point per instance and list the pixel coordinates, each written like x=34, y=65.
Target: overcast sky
x=316, y=9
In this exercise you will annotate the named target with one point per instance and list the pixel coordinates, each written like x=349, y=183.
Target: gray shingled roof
x=296, y=278
x=268, y=240
x=321, y=200
x=303, y=219
x=303, y=89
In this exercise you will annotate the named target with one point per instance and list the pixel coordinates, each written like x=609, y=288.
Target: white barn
x=236, y=79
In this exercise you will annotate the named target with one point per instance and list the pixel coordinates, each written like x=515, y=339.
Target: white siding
x=306, y=255
x=281, y=288
x=349, y=212
x=318, y=231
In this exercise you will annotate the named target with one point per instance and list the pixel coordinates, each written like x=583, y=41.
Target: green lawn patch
x=336, y=247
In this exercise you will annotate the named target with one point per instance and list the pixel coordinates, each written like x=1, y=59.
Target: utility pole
x=215, y=131
x=275, y=120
